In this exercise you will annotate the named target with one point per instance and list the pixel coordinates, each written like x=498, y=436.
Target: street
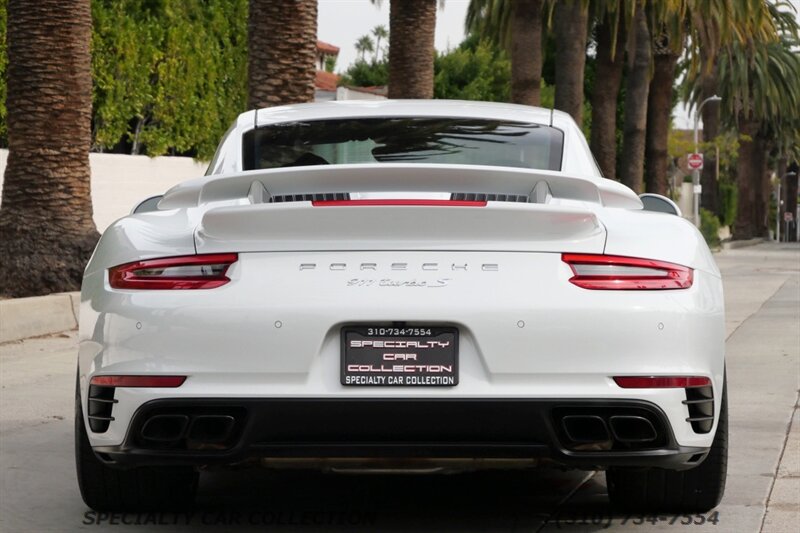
x=38, y=490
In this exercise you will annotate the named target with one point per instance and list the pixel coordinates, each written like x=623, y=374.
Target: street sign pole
x=696, y=190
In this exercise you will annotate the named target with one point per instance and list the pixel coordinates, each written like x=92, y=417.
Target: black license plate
x=399, y=356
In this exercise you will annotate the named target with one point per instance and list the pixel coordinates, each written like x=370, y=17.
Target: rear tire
x=697, y=490
x=104, y=488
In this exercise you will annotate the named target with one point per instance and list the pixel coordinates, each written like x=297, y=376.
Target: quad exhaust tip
x=606, y=429
x=167, y=429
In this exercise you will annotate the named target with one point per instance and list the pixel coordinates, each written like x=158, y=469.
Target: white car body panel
x=494, y=272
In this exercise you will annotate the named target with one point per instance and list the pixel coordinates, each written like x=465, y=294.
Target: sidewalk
x=21, y=318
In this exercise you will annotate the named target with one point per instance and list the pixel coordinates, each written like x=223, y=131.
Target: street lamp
x=695, y=172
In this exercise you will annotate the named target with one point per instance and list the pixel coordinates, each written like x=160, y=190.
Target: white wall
x=121, y=181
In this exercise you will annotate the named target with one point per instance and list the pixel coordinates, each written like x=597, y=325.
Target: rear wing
x=261, y=185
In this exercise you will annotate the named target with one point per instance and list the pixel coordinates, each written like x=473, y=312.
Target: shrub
x=728, y=203
x=709, y=227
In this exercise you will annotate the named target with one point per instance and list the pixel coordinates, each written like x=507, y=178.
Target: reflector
x=138, y=381
x=661, y=382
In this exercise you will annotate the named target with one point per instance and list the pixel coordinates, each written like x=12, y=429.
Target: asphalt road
x=38, y=491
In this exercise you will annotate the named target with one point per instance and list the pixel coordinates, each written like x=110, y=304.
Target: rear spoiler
x=260, y=185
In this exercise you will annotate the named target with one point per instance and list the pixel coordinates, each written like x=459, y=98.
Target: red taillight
x=661, y=382
x=138, y=381
x=188, y=272
x=611, y=272
x=399, y=201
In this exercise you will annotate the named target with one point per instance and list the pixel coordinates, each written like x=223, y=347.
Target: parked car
x=402, y=285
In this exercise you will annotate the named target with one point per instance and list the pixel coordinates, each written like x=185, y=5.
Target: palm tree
x=714, y=24
x=659, y=107
x=516, y=26
x=760, y=94
x=610, y=35
x=46, y=229
x=571, y=18
x=282, y=50
x=526, y=52
x=380, y=32
x=412, y=24
x=364, y=44
x=636, y=94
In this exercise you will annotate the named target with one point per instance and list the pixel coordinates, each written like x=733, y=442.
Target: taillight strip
x=170, y=273
x=398, y=201
x=138, y=381
x=612, y=272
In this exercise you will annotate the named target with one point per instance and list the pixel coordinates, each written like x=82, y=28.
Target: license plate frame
x=411, y=346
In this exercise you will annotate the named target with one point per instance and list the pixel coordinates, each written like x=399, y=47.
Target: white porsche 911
x=402, y=285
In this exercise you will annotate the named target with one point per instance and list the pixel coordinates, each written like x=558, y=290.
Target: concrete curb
x=732, y=245
x=21, y=318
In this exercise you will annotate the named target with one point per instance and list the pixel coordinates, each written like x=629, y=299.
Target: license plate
x=400, y=356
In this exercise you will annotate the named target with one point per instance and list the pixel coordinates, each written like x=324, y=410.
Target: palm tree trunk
x=709, y=198
x=412, y=24
x=637, y=89
x=608, y=76
x=762, y=187
x=282, y=52
x=46, y=229
x=791, y=200
x=526, y=52
x=659, y=111
x=748, y=180
x=571, y=20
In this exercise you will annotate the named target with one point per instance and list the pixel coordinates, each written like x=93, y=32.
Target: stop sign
x=695, y=161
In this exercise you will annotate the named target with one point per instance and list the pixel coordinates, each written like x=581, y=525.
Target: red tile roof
x=326, y=81
x=327, y=48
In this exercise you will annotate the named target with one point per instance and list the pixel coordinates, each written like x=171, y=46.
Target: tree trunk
x=709, y=69
x=412, y=24
x=282, y=52
x=607, y=79
x=526, y=52
x=46, y=229
x=780, y=171
x=659, y=111
x=638, y=86
x=791, y=184
x=748, y=180
x=571, y=20
x=762, y=188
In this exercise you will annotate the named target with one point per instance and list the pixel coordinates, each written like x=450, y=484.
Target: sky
x=342, y=22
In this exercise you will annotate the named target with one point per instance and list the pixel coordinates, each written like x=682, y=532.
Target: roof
x=383, y=108
x=327, y=48
x=381, y=90
x=326, y=81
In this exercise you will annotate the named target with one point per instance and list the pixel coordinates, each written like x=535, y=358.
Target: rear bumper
x=401, y=430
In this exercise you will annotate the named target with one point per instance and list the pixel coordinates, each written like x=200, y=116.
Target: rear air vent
x=317, y=197
x=101, y=403
x=700, y=402
x=488, y=197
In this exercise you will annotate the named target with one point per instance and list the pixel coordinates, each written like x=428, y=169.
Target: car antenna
x=551, y=115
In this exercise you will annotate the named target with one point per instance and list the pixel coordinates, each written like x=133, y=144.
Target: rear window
x=450, y=141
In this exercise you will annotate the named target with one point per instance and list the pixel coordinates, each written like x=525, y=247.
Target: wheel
x=104, y=488
x=697, y=490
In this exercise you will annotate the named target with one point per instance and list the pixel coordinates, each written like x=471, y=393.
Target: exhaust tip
x=632, y=429
x=583, y=429
x=211, y=429
x=165, y=428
